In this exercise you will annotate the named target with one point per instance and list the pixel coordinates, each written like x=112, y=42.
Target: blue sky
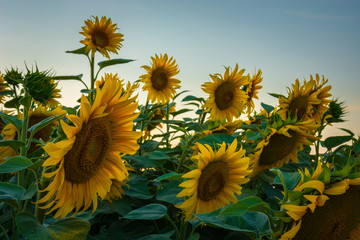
x=286, y=39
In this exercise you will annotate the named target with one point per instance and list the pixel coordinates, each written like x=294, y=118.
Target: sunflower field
x=178, y=166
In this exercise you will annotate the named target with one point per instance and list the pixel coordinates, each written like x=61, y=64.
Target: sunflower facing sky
x=100, y=35
x=159, y=80
x=226, y=99
x=88, y=161
x=215, y=181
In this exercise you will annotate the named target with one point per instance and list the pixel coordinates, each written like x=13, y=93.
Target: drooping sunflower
x=226, y=99
x=252, y=90
x=3, y=88
x=279, y=146
x=323, y=95
x=88, y=161
x=159, y=79
x=100, y=35
x=158, y=115
x=334, y=212
x=116, y=191
x=217, y=178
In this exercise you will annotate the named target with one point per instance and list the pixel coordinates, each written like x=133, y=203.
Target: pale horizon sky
x=287, y=39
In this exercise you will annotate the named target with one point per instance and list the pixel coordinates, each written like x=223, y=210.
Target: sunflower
x=129, y=90
x=159, y=79
x=3, y=88
x=100, y=35
x=226, y=99
x=8, y=132
x=300, y=102
x=323, y=95
x=88, y=161
x=116, y=191
x=279, y=146
x=252, y=90
x=216, y=180
x=334, y=212
x=158, y=115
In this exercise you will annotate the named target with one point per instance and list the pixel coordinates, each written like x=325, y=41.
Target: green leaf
x=26, y=101
x=79, y=51
x=169, y=191
x=14, y=164
x=12, y=189
x=12, y=143
x=334, y=141
x=111, y=62
x=69, y=77
x=168, y=176
x=151, y=211
x=192, y=98
x=11, y=119
x=214, y=139
x=70, y=228
x=11, y=200
x=249, y=204
x=163, y=236
x=31, y=229
x=3, y=93
x=35, y=128
x=158, y=155
x=291, y=179
x=30, y=192
x=276, y=95
x=13, y=103
x=138, y=187
x=268, y=108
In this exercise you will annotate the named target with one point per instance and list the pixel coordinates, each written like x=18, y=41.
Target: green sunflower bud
x=336, y=111
x=13, y=77
x=40, y=85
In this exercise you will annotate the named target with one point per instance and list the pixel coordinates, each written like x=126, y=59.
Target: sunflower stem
x=92, y=78
x=143, y=125
x=167, y=124
x=174, y=226
x=202, y=119
x=39, y=212
x=184, y=152
x=183, y=227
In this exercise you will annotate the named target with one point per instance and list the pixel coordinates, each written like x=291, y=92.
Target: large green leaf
x=11, y=200
x=169, y=191
x=334, y=141
x=112, y=62
x=79, y=51
x=69, y=77
x=15, y=164
x=291, y=179
x=65, y=229
x=249, y=204
x=11, y=119
x=214, y=139
x=138, y=187
x=163, y=236
x=151, y=211
x=31, y=229
x=35, y=128
x=11, y=143
x=12, y=189
x=71, y=228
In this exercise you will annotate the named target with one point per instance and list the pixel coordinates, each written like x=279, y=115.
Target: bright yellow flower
x=215, y=182
x=3, y=88
x=252, y=90
x=226, y=99
x=100, y=35
x=159, y=79
x=88, y=161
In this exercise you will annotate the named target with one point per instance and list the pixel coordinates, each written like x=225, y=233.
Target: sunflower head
x=13, y=76
x=159, y=80
x=226, y=98
x=217, y=178
x=88, y=162
x=3, y=88
x=42, y=87
x=252, y=90
x=100, y=35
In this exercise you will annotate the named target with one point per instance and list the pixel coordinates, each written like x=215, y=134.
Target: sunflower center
x=278, y=148
x=224, y=95
x=159, y=79
x=298, y=107
x=90, y=148
x=212, y=180
x=100, y=39
x=335, y=220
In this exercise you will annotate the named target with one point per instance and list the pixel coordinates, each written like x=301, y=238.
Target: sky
x=286, y=39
